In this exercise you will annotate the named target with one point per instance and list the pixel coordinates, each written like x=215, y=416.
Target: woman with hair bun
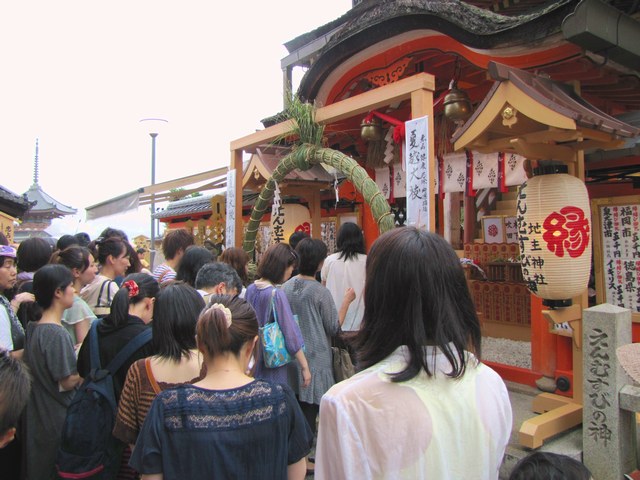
x=113, y=256
x=51, y=359
x=78, y=318
x=228, y=425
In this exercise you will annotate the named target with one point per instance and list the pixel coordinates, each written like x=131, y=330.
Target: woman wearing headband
x=228, y=425
x=11, y=331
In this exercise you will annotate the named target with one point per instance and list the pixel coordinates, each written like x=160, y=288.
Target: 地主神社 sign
x=418, y=176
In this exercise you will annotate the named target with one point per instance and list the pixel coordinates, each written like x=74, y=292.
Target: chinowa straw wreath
x=307, y=152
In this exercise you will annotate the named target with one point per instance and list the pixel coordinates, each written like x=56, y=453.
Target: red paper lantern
x=554, y=233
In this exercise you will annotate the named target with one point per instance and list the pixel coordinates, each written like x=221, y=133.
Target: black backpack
x=87, y=449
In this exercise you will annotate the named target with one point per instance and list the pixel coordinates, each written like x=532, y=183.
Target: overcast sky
x=80, y=74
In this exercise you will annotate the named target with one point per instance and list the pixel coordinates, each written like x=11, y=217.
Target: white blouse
x=338, y=275
x=427, y=427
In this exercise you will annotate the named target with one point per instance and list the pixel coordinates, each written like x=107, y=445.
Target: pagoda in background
x=45, y=208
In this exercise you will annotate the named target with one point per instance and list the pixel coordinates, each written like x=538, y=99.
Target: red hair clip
x=132, y=287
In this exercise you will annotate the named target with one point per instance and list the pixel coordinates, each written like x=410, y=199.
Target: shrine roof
x=262, y=164
x=186, y=206
x=13, y=204
x=46, y=203
x=556, y=96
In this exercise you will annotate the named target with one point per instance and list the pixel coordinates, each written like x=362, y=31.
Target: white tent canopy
x=159, y=192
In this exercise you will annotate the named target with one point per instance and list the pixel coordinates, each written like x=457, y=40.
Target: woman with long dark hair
x=423, y=404
x=192, y=261
x=176, y=361
x=228, y=425
x=50, y=356
x=346, y=269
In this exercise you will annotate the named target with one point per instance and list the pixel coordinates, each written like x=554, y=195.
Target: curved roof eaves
x=473, y=26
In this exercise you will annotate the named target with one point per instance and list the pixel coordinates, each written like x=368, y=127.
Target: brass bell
x=371, y=131
x=457, y=105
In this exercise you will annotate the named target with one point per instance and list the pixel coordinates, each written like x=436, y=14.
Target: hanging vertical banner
x=382, y=179
x=230, y=232
x=418, y=177
x=399, y=181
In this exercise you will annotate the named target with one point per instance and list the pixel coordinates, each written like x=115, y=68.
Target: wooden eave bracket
x=543, y=151
x=571, y=315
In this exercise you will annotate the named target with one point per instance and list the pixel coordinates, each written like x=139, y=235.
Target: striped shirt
x=164, y=273
x=138, y=393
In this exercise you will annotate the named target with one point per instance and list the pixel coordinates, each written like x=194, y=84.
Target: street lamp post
x=152, y=251
x=156, y=124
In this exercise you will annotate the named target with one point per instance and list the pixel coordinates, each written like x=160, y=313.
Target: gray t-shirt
x=49, y=354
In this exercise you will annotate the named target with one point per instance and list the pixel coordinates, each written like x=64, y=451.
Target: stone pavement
x=568, y=443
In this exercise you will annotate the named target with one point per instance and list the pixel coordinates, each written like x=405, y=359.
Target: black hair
x=275, y=261
x=111, y=232
x=135, y=265
x=33, y=253
x=83, y=239
x=15, y=386
x=549, y=466
x=72, y=257
x=215, y=336
x=175, y=315
x=66, y=241
x=47, y=280
x=104, y=247
x=147, y=288
x=174, y=241
x=350, y=241
x=295, y=238
x=416, y=294
x=311, y=252
x=192, y=261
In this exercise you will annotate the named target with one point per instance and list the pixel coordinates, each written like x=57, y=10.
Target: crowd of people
x=197, y=398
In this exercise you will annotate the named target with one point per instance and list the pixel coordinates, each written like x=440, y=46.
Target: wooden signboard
x=616, y=242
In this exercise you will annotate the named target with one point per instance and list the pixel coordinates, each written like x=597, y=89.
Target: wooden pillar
x=422, y=105
x=236, y=164
x=469, y=219
x=451, y=219
x=316, y=214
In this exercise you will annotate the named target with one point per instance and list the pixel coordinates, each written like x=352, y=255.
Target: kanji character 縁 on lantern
x=554, y=234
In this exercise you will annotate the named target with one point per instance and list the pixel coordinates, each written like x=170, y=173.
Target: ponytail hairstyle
x=72, y=257
x=216, y=336
x=46, y=281
x=103, y=247
x=135, y=288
